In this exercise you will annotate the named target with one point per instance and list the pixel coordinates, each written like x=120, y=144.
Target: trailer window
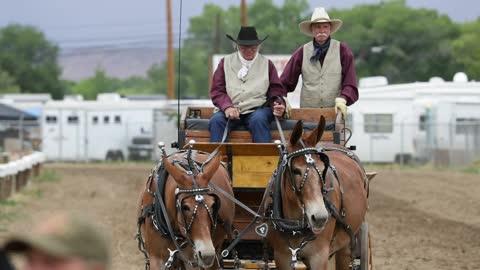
x=422, y=121
x=378, y=123
x=466, y=125
x=73, y=120
x=106, y=119
x=50, y=119
x=95, y=120
x=117, y=119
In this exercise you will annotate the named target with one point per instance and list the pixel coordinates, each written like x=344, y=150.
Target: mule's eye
x=297, y=172
x=185, y=208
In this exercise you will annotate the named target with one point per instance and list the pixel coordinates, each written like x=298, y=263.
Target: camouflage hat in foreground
x=65, y=236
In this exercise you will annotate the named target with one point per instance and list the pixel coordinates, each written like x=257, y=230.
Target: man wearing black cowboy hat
x=246, y=89
x=326, y=65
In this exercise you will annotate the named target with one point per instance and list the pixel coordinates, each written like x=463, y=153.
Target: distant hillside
x=78, y=64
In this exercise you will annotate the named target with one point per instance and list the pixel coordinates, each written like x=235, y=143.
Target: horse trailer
x=395, y=123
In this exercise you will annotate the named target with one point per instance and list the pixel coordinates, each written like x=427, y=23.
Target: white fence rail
x=15, y=174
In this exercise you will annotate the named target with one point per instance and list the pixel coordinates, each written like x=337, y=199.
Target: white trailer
x=75, y=130
x=389, y=121
x=450, y=133
x=383, y=128
x=93, y=130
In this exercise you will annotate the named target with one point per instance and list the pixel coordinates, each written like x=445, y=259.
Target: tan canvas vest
x=252, y=92
x=321, y=84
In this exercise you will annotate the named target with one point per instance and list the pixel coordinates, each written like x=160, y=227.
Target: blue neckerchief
x=319, y=50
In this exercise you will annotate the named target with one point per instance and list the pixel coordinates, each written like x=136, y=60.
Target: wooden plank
x=254, y=172
x=313, y=114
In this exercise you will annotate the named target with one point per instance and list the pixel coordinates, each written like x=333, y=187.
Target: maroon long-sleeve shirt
x=218, y=91
x=293, y=69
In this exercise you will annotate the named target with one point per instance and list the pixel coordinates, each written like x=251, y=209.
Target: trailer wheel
x=365, y=248
x=119, y=156
x=110, y=156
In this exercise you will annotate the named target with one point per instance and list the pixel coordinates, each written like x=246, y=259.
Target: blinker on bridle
x=307, y=153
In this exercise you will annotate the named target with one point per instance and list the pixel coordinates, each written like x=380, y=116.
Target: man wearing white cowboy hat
x=246, y=89
x=326, y=65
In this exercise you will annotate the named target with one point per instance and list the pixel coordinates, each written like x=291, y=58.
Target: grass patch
x=473, y=168
x=9, y=207
x=7, y=211
x=9, y=203
x=47, y=176
x=7, y=215
x=36, y=193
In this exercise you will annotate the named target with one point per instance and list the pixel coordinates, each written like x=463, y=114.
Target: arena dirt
x=418, y=219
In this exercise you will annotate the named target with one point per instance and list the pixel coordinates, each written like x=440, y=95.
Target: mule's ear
x=297, y=133
x=209, y=170
x=317, y=133
x=177, y=173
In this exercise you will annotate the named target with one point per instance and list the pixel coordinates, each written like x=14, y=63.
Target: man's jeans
x=257, y=122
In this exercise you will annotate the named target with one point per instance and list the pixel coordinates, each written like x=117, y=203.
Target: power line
x=148, y=40
x=160, y=35
x=103, y=50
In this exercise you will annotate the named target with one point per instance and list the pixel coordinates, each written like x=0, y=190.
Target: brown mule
x=200, y=216
x=310, y=195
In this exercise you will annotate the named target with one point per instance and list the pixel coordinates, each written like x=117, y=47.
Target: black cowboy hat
x=247, y=36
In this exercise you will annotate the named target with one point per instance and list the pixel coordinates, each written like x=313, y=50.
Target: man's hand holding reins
x=232, y=113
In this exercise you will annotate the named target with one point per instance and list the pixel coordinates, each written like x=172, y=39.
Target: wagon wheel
x=365, y=248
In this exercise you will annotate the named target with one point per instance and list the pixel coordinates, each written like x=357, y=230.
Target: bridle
x=307, y=152
x=193, y=169
x=285, y=168
x=199, y=195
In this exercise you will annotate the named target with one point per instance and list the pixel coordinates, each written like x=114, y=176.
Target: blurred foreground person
x=4, y=262
x=62, y=242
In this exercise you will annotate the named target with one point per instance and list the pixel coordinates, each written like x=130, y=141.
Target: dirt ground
x=418, y=219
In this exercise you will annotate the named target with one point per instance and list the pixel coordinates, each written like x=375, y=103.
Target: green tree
x=31, y=60
x=467, y=49
x=157, y=76
x=399, y=42
x=134, y=86
x=7, y=83
x=99, y=83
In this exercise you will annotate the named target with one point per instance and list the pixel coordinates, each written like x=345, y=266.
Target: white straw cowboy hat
x=319, y=15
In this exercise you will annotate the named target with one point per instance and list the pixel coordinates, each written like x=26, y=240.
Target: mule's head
x=196, y=208
x=305, y=169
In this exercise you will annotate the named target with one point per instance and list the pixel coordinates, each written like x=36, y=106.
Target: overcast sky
x=73, y=23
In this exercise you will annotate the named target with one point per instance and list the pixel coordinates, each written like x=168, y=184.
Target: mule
x=310, y=218
x=199, y=217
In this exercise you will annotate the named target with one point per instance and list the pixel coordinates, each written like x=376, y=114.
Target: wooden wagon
x=250, y=166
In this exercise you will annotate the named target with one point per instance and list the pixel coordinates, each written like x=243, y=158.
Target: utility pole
x=244, y=12
x=170, y=54
x=216, y=50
